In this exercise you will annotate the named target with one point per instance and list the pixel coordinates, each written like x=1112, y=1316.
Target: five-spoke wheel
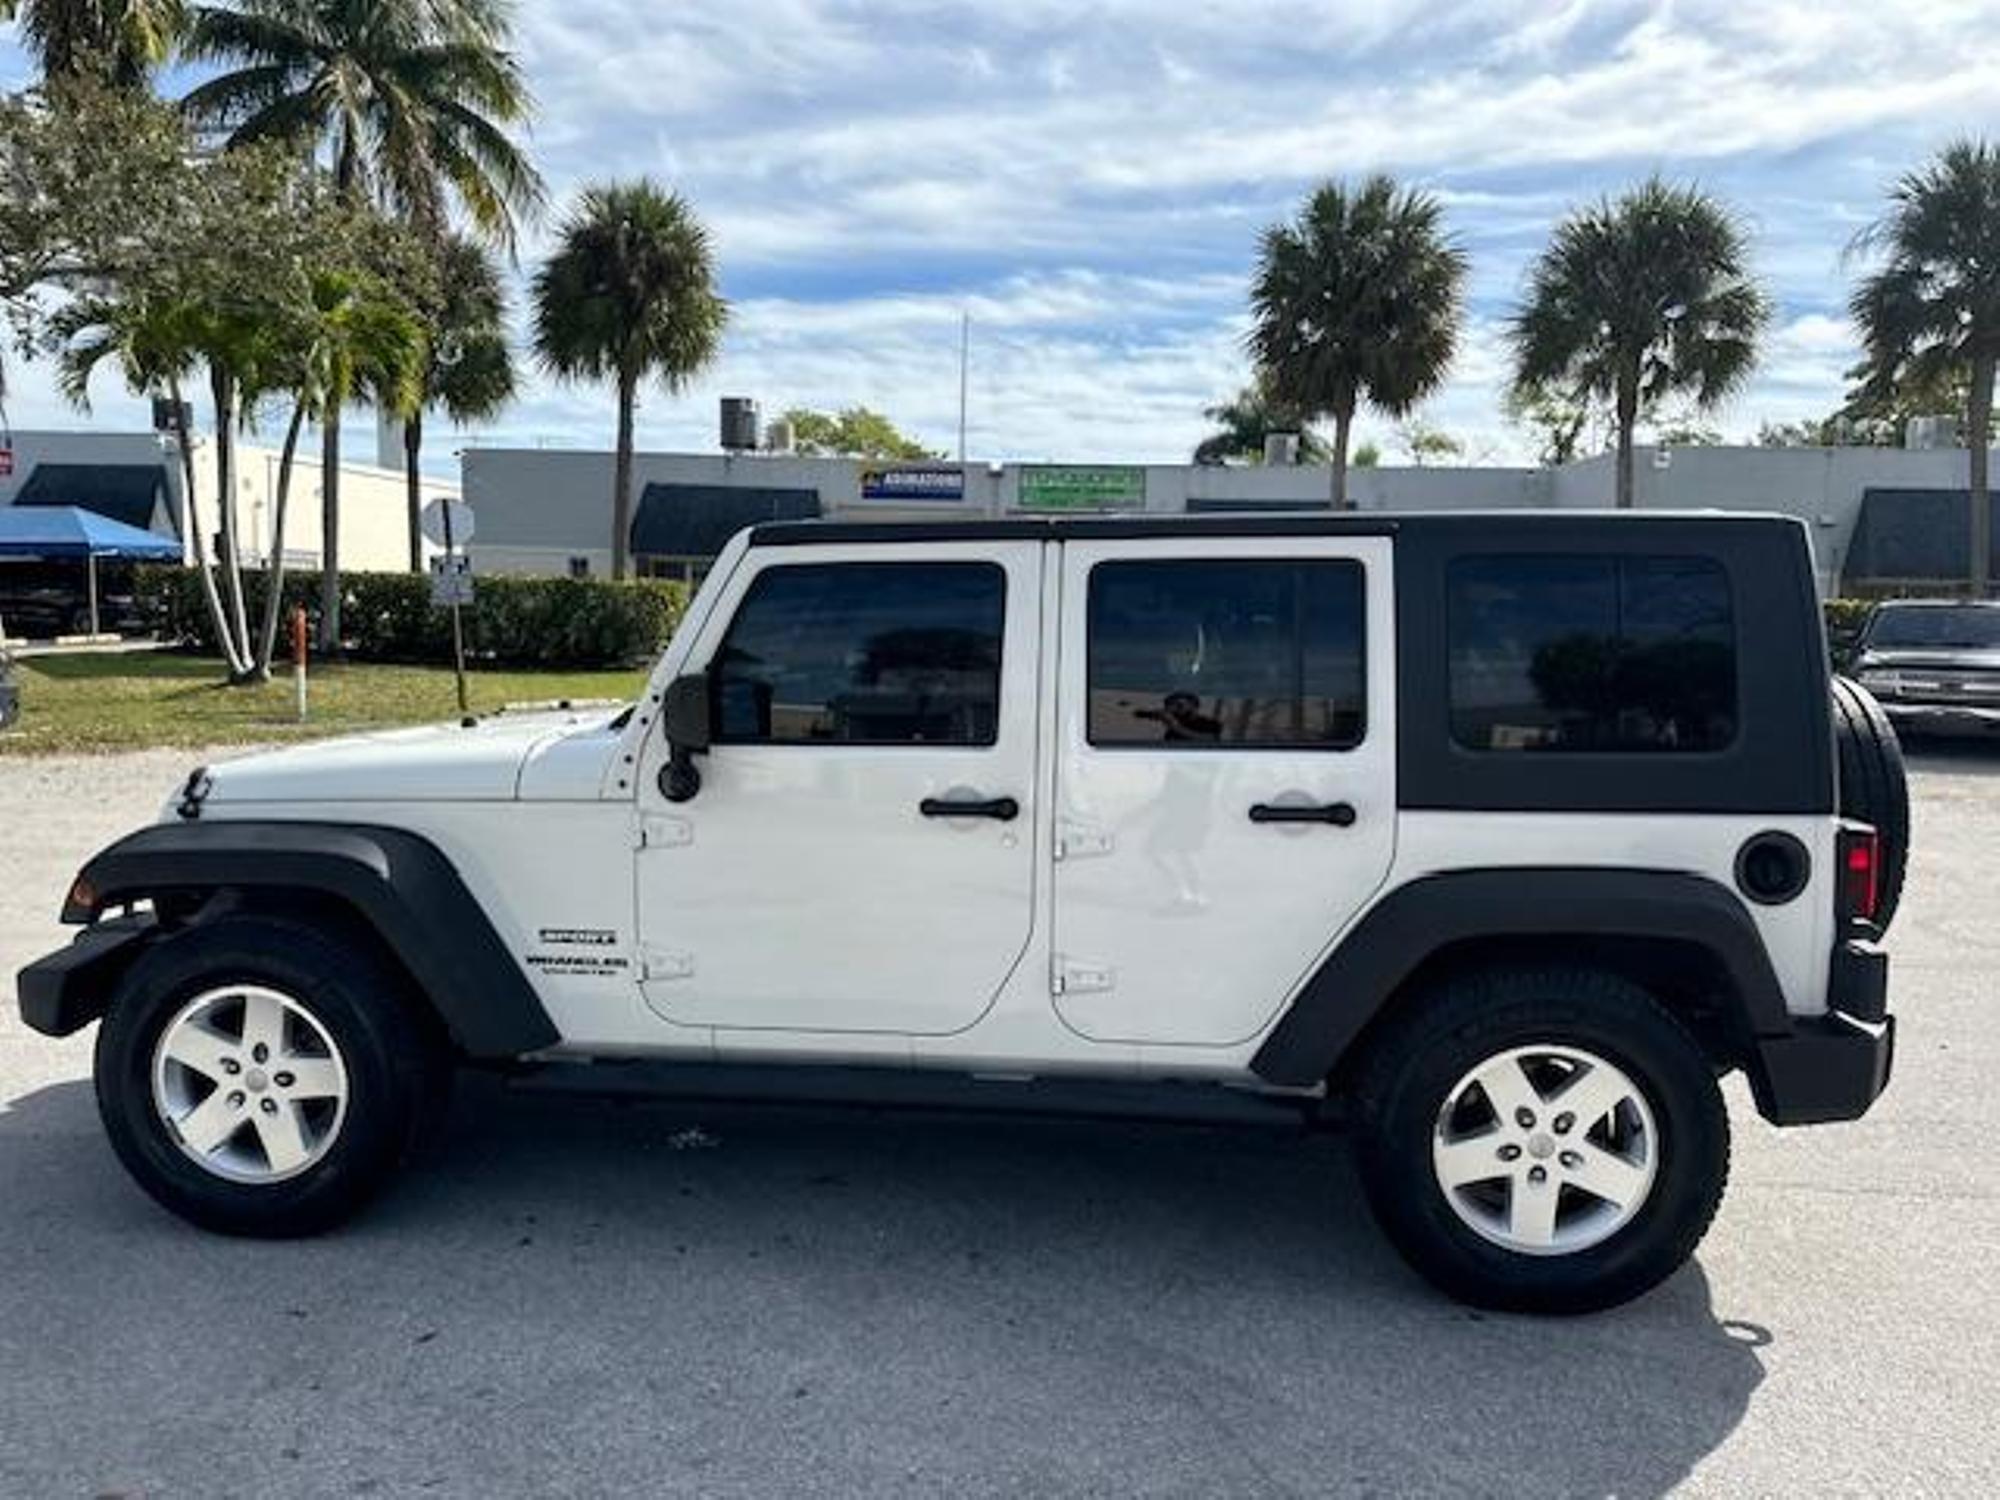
x=262, y=1074
x=1542, y=1139
x=250, y=1083
x=1545, y=1150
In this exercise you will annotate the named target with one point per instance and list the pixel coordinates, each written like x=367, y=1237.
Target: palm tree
x=1357, y=299
x=156, y=342
x=468, y=370
x=119, y=41
x=1244, y=421
x=1636, y=299
x=1930, y=317
x=629, y=294
x=351, y=332
x=410, y=98
x=360, y=339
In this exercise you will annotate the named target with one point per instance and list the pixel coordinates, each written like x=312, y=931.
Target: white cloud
x=1088, y=179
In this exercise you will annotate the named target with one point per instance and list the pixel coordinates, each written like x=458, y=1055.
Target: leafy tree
x=628, y=295
x=119, y=42
x=1367, y=456
x=258, y=280
x=1357, y=299
x=1427, y=444
x=1560, y=422
x=408, y=100
x=85, y=170
x=468, y=368
x=1638, y=299
x=853, y=432
x=1685, y=432
x=1930, y=314
x=1244, y=421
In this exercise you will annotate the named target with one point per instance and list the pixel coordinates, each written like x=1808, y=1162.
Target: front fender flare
x=397, y=882
x=1424, y=917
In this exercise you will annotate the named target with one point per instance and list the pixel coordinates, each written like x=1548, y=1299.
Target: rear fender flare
x=1426, y=916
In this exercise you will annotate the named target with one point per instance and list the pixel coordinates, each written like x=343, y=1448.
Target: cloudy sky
x=1088, y=182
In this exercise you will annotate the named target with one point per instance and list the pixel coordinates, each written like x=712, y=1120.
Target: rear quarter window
x=1551, y=654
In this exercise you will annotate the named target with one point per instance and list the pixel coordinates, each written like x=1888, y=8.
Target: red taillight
x=1860, y=874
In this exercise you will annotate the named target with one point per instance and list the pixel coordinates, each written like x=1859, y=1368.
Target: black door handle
x=1000, y=809
x=1339, y=814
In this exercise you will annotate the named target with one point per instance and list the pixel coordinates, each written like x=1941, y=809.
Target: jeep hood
x=442, y=763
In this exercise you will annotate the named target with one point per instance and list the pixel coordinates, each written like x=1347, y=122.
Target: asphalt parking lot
x=578, y=1297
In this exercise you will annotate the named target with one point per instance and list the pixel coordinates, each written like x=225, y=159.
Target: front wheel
x=1542, y=1141
x=258, y=1077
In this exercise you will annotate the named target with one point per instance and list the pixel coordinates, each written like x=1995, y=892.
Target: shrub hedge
x=520, y=622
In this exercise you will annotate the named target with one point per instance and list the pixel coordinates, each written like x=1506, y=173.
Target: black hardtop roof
x=1511, y=524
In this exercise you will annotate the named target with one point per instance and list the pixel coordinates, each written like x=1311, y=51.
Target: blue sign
x=929, y=483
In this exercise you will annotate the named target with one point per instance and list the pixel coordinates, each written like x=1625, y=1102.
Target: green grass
x=139, y=700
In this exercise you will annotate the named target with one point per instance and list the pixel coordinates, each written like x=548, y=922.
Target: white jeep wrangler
x=1499, y=838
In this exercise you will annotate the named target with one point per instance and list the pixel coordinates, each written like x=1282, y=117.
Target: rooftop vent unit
x=739, y=424
x=1281, y=449
x=778, y=436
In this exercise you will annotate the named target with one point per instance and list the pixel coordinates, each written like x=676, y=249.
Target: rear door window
x=1227, y=653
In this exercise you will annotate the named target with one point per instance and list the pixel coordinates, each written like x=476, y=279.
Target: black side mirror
x=684, y=718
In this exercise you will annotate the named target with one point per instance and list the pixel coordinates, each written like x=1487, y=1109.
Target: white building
x=136, y=477
x=1878, y=515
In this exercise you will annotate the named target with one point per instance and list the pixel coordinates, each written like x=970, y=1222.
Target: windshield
x=1967, y=627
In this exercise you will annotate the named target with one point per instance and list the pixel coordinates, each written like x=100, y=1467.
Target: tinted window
x=864, y=653
x=1964, y=627
x=1591, y=654
x=1226, y=653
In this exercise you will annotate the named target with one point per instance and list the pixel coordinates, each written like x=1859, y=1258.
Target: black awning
x=1915, y=535
x=696, y=520
x=126, y=493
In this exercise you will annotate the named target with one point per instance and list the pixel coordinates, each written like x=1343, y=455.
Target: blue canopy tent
x=57, y=533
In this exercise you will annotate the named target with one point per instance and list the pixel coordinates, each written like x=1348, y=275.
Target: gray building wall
x=538, y=509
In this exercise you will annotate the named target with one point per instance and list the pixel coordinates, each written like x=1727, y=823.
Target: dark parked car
x=40, y=602
x=1934, y=664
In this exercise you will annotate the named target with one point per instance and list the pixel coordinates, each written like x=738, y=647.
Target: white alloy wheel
x=1545, y=1149
x=249, y=1084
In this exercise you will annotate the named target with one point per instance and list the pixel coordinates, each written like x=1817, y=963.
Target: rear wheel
x=258, y=1078
x=1874, y=786
x=1541, y=1140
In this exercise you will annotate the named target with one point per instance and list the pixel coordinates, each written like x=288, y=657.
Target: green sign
x=1083, y=487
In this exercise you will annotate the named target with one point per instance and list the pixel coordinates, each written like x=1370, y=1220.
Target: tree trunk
x=1628, y=418
x=223, y=386
x=413, y=480
x=329, y=526
x=218, y=618
x=1979, y=434
x=621, y=494
x=1343, y=426
x=274, y=572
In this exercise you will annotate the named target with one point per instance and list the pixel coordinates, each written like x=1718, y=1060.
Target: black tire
x=1441, y=1035
x=396, y=1071
x=1874, y=786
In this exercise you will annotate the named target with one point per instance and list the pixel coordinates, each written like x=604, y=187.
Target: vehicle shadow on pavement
x=669, y=1297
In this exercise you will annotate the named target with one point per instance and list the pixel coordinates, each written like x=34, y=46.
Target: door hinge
x=1068, y=977
x=660, y=831
x=1081, y=841
x=665, y=963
